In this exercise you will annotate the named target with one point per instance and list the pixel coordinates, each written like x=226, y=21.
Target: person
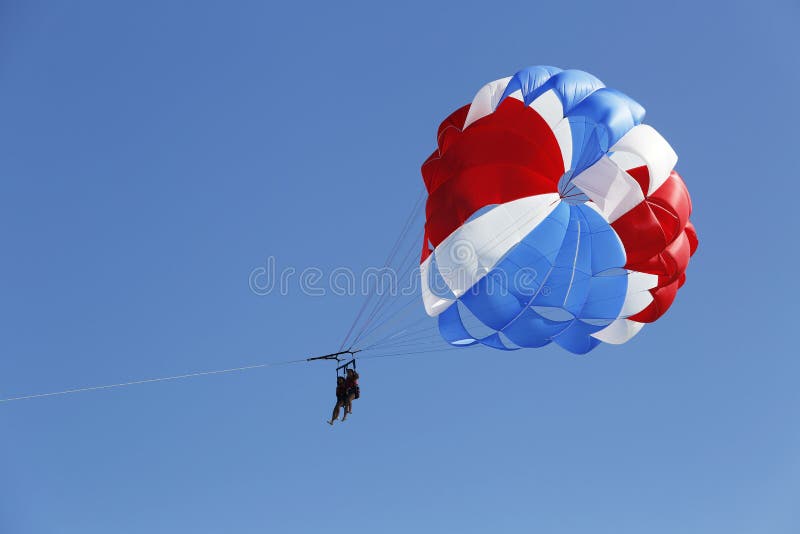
x=352, y=390
x=341, y=400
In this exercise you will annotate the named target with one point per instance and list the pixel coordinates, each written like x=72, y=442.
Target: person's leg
x=350, y=398
x=335, y=415
x=346, y=408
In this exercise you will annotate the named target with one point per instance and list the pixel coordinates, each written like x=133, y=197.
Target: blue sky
x=152, y=154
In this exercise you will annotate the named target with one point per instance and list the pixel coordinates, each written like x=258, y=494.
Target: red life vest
x=351, y=381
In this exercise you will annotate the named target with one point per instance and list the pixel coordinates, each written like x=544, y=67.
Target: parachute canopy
x=553, y=215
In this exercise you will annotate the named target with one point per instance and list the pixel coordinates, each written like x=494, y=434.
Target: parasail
x=553, y=215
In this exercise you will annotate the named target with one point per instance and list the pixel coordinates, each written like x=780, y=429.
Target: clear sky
x=153, y=153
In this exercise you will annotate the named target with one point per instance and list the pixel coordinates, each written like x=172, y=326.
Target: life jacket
x=351, y=381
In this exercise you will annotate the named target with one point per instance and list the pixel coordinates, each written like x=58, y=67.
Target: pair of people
x=347, y=391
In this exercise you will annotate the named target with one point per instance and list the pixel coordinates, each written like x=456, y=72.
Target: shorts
x=354, y=392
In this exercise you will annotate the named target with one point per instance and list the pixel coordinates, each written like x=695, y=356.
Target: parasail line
x=380, y=306
x=390, y=257
x=332, y=356
x=150, y=380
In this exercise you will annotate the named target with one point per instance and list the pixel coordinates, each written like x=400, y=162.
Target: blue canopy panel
x=598, y=116
x=563, y=282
